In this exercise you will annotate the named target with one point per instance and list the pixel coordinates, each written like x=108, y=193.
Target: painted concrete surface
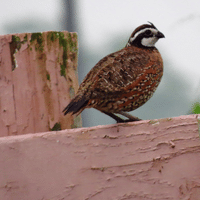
x=144, y=160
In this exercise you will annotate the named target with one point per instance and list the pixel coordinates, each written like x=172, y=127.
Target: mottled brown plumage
x=124, y=80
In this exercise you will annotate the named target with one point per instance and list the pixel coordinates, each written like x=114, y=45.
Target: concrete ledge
x=142, y=160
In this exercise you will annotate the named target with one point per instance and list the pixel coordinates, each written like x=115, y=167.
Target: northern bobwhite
x=124, y=80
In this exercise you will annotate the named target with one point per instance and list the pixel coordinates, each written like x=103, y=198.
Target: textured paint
x=138, y=160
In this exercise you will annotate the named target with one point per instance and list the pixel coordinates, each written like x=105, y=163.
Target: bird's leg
x=130, y=117
x=115, y=117
x=120, y=120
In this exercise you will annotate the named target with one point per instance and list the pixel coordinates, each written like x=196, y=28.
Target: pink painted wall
x=33, y=90
x=141, y=160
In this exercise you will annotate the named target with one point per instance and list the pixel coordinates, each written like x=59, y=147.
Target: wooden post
x=38, y=77
x=144, y=160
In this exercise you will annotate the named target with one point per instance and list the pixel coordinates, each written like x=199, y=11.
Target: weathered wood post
x=38, y=76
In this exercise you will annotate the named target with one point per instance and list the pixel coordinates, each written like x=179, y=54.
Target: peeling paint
x=15, y=45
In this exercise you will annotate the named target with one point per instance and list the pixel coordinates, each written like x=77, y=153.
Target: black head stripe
x=142, y=27
x=139, y=33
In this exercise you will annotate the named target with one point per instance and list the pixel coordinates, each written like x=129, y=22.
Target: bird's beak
x=160, y=35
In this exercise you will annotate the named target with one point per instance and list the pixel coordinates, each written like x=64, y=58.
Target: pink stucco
x=141, y=160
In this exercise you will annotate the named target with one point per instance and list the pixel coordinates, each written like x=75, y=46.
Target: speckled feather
x=121, y=81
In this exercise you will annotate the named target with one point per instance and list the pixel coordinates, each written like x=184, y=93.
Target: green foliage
x=25, y=38
x=15, y=38
x=67, y=44
x=16, y=42
x=39, y=38
x=195, y=108
x=48, y=76
x=71, y=43
x=57, y=127
x=63, y=43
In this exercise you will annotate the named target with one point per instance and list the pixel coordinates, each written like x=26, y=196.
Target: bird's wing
x=126, y=72
x=114, y=74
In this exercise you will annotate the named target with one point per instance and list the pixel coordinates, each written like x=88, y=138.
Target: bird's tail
x=76, y=105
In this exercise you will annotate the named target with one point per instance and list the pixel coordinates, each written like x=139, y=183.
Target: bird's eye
x=147, y=32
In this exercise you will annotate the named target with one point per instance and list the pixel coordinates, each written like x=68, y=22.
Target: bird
x=124, y=80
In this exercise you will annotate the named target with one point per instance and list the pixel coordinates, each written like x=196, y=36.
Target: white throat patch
x=149, y=42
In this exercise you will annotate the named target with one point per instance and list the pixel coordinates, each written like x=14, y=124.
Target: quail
x=124, y=80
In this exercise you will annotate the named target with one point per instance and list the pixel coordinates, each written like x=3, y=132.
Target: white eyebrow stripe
x=142, y=31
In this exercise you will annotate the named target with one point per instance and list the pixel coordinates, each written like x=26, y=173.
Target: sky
x=102, y=23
